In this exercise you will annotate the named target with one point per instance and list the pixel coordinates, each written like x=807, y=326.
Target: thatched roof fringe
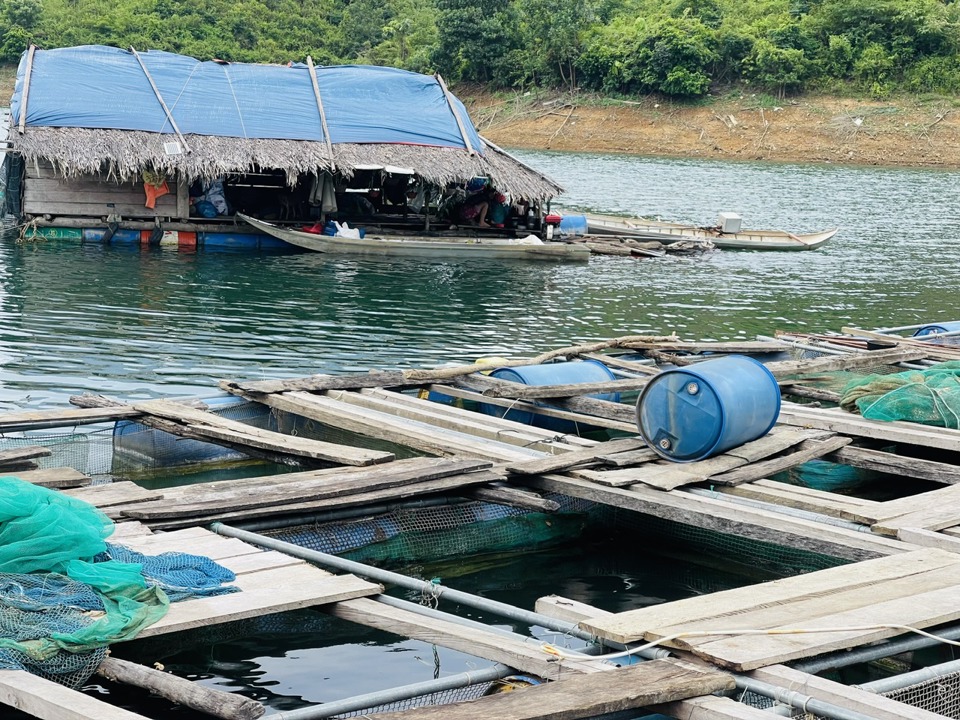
x=123, y=155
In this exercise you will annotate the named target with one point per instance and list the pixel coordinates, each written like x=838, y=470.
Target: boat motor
x=552, y=222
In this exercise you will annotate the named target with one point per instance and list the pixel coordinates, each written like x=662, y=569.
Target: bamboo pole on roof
x=26, y=88
x=156, y=91
x=323, y=115
x=456, y=114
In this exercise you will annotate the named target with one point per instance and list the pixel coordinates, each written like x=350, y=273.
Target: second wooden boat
x=669, y=232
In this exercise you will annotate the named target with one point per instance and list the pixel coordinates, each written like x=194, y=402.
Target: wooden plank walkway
x=271, y=495
x=585, y=696
x=716, y=513
x=270, y=582
x=842, y=607
x=51, y=701
x=723, y=708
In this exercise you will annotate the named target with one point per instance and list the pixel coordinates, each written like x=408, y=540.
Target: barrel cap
x=680, y=416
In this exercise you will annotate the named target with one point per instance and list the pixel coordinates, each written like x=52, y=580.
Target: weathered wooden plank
x=115, y=493
x=801, y=612
x=209, y=545
x=457, y=413
x=809, y=492
x=577, y=457
x=514, y=497
x=587, y=406
x=711, y=708
x=547, y=411
x=716, y=610
x=382, y=426
x=257, y=561
x=65, y=417
x=929, y=538
x=846, y=423
x=936, y=517
x=585, y=696
x=218, y=428
x=181, y=690
x=667, y=475
x=269, y=591
x=799, y=389
x=447, y=417
x=852, y=698
x=194, y=491
x=96, y=210
x=945, y=497
x=722, y=516
x=778, y=493
x=492, y=646
x=318, y=489
x=806, y=450
x=618, y=362
x=561, y=608
x=626, y=459
x=885, y=462
x=934, y=352
x=62, y=477
x=852, y=361
x=538, y=392
x=122, y=532
x=922, y=610
x=51, y=701
x=18, y=455
x=430, y=487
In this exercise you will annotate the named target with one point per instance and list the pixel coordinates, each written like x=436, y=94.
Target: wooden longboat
x=440, y=246
x=669, y=232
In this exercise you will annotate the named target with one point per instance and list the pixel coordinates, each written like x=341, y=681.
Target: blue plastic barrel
x=573, y=225
x=559, y=373
x=939, y=328
x=693, y=412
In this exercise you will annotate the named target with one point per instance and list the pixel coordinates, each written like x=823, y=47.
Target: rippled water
x=139, y=324
x=142, y=323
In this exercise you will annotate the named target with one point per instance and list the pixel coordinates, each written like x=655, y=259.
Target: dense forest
x=680, y=48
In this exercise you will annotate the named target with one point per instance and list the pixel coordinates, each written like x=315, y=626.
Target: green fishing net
x=66, y=594
x=930, y=397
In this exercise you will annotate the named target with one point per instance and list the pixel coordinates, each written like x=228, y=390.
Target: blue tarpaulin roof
x=102, y=87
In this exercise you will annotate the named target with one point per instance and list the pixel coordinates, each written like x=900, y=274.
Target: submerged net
x=66, y=594
x=930, y=397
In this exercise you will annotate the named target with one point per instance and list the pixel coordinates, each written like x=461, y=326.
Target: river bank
x=907, y=132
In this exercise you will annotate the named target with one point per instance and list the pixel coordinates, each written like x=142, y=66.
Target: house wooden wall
x=44, y=193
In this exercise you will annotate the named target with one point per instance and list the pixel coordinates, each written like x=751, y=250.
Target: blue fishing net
x=66, y=595
x=930, y=397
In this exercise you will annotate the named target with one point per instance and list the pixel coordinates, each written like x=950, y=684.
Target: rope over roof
x=123, y=155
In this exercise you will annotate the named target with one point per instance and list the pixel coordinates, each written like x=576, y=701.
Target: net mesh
x=66, y=594
x=940, y=695
x=929, y=397
x=415, y=534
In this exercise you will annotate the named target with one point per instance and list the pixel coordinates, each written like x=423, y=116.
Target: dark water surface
x=135, y=324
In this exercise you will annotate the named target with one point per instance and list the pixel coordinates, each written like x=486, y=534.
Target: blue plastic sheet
x=103, y=87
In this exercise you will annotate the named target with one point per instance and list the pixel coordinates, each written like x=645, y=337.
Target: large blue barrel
x=559, y=373
x=937, y=329
x=573, y=225
x=693, y=412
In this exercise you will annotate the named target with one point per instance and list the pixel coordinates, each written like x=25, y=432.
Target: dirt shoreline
x=907, y=132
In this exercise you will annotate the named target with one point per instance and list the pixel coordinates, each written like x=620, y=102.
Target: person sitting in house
x=477, y=203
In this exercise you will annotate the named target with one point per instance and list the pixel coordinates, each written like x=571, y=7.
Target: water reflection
x=144, y=323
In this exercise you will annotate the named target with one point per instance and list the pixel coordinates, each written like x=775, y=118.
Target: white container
x=730, y=222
